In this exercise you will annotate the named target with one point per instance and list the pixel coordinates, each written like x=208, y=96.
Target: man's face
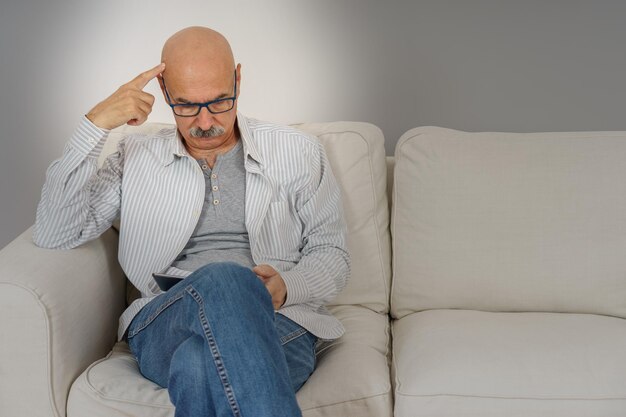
x=205, y=131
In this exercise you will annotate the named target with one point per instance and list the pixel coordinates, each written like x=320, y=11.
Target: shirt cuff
x=88, y=139
x=297, y=289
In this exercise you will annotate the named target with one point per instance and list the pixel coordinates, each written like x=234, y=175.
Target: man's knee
x=189, y=361
x=226, y=277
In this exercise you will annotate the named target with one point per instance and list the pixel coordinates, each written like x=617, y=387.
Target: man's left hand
x=274, y=284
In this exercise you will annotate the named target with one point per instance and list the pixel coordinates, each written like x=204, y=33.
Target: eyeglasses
x=221, y=105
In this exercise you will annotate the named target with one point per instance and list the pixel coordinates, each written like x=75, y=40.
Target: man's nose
x=205, y=119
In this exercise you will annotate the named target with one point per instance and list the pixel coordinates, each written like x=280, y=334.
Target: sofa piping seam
x=510, y=398
x=348, y=401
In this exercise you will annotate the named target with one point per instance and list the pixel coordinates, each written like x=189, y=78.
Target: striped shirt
x=293, y=210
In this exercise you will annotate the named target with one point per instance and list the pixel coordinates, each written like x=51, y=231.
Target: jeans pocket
x=292, y=336
x=299, y=348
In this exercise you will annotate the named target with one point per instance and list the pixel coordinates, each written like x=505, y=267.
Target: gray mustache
x=213, y=131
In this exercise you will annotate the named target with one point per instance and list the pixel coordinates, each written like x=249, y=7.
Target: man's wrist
x=88, y=139
x=296, y=286
x=93, y=118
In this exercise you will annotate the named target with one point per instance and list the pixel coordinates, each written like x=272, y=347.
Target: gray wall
x=470, y=65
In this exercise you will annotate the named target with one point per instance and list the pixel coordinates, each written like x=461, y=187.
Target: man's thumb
x=264, y=270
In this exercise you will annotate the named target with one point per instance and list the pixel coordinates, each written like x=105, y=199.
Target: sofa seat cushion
x=351, y=377
x=470, y=363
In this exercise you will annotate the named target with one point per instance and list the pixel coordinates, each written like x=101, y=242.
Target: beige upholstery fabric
x=468, y=363
x=58, y=313
x=509, y=222
x=351, y=378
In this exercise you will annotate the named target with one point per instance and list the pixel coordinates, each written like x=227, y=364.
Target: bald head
x=197, y=52
x=200, y=69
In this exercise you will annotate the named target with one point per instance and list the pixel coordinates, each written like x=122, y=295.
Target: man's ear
x=159, y=78
x=238, y=78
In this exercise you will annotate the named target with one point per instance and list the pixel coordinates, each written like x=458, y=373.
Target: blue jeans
x=215, y=342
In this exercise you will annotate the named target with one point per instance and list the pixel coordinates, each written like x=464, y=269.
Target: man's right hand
x=129, y=104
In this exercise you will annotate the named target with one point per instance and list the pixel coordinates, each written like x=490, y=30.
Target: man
x=248, y=212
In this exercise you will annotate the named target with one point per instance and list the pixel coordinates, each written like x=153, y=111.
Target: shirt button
x=205, y=167
x=213, y=176
x=216, y=202
x=215, y=188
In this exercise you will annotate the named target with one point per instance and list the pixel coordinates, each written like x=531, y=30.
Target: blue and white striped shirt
x=293, y=210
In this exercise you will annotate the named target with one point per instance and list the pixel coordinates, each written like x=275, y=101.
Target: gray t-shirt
x=221, y=233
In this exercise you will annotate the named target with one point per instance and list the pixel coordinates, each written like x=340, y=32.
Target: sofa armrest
x=58, y=313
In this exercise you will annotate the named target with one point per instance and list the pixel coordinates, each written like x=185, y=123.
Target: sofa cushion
x=468, y=363
x=351, y=377
x=356, y=152
x=509, y=222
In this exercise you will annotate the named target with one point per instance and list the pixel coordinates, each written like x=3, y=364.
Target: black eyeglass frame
x=200, y=106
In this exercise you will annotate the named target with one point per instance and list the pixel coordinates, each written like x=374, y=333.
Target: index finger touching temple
x=142, y=79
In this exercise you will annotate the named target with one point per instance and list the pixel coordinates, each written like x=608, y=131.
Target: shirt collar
x=177, y=144
x=247, y=137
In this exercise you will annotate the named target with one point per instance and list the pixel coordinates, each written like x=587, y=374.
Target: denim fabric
x=214, y=341
x=299, y=348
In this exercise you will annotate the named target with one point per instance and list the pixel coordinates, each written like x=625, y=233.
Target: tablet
x=165, y=281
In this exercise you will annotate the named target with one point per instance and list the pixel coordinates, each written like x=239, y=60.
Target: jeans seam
x=217, y=357
x=155, y=314
x=313, y=354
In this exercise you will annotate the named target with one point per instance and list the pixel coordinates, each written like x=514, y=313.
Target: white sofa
x=508, y=295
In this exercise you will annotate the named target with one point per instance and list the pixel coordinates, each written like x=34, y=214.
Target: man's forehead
x=197, y=67
x=199, y=89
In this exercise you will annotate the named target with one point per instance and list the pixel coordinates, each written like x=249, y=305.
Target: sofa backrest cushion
x=357, y=156
x=509, y=222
